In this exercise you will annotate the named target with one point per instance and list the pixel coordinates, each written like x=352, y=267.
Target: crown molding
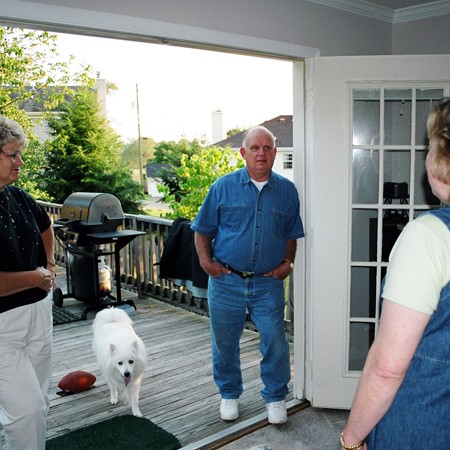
x=368, y=9
x=424, y=11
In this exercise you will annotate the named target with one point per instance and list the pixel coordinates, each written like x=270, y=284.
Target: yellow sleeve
x=419, y=265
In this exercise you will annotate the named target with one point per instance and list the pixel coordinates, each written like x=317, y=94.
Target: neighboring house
x=281, y=127
x=36, y=112
x=153, y=176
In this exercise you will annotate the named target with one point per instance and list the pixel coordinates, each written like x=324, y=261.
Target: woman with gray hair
x=26, y=279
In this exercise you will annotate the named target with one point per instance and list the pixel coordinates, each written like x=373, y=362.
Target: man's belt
x=238, y=272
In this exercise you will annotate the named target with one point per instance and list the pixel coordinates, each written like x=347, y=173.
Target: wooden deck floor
x=178, y=392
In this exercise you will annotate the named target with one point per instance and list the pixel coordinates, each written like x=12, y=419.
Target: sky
x=179, y=88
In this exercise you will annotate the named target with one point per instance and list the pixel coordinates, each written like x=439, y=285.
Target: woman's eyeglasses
x=14, y=156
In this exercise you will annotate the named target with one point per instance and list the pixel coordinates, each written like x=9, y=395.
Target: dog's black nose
x=127, y=374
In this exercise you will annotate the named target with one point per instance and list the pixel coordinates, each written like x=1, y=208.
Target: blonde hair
x=438, y=128
x=10, y=131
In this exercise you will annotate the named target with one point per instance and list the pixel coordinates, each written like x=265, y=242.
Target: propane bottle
x=104, y=278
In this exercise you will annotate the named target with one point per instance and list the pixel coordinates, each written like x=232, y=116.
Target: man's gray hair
x=256, y=129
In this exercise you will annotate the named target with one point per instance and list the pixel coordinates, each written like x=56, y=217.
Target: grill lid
x=91, y=212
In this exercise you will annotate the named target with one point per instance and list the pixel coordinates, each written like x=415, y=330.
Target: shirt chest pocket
x=280, y=223
x=234, y=218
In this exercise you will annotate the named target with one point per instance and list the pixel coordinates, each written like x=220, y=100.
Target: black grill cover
x=91, y=212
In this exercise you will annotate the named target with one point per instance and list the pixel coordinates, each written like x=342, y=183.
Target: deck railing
x=139, y=265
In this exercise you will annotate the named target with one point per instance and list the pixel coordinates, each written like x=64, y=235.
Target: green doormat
x=121, y=432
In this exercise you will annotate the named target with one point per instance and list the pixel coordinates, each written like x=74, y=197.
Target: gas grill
x=88, y=232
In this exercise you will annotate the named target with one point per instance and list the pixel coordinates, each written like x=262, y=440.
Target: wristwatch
x=289, y=263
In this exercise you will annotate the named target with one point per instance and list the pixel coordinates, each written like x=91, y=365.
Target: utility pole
x=141, y=178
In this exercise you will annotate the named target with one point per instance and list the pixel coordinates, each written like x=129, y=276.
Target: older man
x=246, y=238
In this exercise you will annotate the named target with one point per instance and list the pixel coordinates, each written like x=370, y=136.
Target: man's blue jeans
x=230, y=297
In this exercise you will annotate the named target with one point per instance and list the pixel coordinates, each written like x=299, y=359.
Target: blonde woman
x=403, y=398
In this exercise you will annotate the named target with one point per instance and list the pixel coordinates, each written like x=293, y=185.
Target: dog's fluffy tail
x=110, y=315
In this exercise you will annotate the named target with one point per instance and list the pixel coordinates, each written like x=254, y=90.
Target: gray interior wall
x=258, y=25
x=424, y=37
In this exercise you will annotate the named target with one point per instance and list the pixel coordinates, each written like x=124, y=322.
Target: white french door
x=364, y=177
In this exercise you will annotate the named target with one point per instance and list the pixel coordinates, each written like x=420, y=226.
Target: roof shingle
x=280, y=126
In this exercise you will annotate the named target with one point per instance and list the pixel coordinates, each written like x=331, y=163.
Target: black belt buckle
x=243, y=275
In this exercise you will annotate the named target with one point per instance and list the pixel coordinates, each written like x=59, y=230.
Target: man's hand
x=280, y=272
x=215, y=269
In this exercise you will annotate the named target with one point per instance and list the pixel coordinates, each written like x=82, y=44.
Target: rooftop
x=280, y=126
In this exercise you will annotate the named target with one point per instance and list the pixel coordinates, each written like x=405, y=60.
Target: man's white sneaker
x=229, y=409
x=277, y=412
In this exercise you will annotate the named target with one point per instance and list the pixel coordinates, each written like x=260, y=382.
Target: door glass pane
x=361, y=337
x=363, y=292
x=394, y=221
x=427, y=99
x=397, y=165
x=397, y=117
x=366, y=164
x=422, y=190
x=364, y=235
x=366, y=116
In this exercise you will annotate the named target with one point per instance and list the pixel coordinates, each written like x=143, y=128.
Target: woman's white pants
x=25, y=374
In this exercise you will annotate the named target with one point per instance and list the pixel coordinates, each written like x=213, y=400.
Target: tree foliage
x=171, y=152
x=32, y=70
x=195, y=175
x=236, y=130
x=84, y=155
x=130, y=154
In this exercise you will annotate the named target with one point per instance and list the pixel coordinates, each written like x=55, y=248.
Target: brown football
x=77, y=381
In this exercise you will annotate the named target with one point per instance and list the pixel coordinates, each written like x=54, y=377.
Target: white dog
x=121, y=355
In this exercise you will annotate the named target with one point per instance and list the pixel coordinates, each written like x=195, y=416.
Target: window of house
x=287, y=161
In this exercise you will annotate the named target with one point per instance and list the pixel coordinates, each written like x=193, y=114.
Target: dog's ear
x=135, y=345
x=112, y=348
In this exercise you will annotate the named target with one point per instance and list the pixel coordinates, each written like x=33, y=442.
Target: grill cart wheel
x=58, y=298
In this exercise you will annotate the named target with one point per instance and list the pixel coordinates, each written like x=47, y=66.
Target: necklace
x=7, y=210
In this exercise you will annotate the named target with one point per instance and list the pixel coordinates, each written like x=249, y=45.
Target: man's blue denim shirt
x=250, y=228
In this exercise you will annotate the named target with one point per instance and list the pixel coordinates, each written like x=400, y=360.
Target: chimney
x=100, y=86
x=217, y=126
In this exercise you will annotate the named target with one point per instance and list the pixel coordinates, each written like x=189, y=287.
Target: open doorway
x=264, y=93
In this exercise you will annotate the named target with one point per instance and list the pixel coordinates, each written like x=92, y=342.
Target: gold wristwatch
x=289, y=263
